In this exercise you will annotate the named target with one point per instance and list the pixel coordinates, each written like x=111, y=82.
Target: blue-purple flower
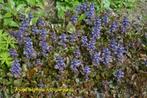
x=119, y=74
x=106, y=56
x=120, y=52
x=60, y=65
x=43, y=34
x=113, y=45
x=16, y=69
x=45, y=48
x=91, y=11
x=63, y=39
x=13, y=53
x=24, y=25
x=87, y=70
x=77, y=53
x=125, y=24
x=40, y=22
x=35, y=30
x=91, y=44
x=74, y=19
x=113, y=27
x=29, y=51
x=96, y=58
x=105, y=19
x=75, y=63
x=97, y=28
x=53, y=36
x=30, y=16
x=84, y=40
x=72, y=38
x=81, y=8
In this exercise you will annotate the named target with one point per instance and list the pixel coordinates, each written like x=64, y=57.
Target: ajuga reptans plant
x=101, y=48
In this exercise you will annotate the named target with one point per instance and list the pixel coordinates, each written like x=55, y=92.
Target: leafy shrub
x=90, y=53
x=12, y=9
x=101, y=5
x=6, y=42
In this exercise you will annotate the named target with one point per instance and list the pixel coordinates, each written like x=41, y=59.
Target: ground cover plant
x=91, y=53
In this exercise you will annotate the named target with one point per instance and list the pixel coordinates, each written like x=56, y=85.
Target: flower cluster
x=106, y=56
x=16, y=68
x=91, y=11
x=125, y=24
x=98, y=44
x=90, y=46
x=29, y=51
x=96, y=58
x=60, y=65
x=119, y=74
x=75, y=63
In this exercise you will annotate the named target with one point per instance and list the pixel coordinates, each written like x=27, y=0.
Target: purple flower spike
x=74, y=19
x=16, y=69
x=13, y=53
x=113, y=27
x=84, y=41
x=77, y=53
x=120, y=52
x=105, y=19
x=91, y=11
x=40, y=22
x=91, y=45
x=87, y=70
x=119, y=74
x=35, y=30
x=29, y=51
x=75, y=63
x=96, y=29
x=125, y=24
x=106, y=56
x=60, y=65
x=45, y=47
x=63, y=40
x=30, y=16
x=43, y=34
x=63, y=37
x=113, y=45
x=72, y=38
x=53, y=36
x=96, y=58
x=81, y=8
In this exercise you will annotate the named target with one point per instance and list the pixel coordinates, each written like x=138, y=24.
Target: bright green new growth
x=6, y=42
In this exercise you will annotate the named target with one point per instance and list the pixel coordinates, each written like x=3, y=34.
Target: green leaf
x=10, y=22
x=20, y=7
x=31, y=2
x=7, y=21
x=11, y=4
x=7, y=15
x=1, y=1
x=17, y=82
x=106, y=4
x=33, y=21
x=82, y=17
x=13, y=24
x=70, y=28
x=5, y=58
